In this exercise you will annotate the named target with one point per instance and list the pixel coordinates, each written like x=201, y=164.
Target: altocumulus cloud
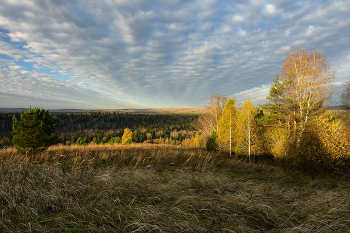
x=140, y=54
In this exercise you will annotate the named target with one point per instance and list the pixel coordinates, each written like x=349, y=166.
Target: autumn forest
x=294, y=129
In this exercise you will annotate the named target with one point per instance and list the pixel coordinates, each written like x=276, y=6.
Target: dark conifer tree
x=33, y=132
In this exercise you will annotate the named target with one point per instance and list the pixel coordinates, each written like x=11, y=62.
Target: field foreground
x=162, y=189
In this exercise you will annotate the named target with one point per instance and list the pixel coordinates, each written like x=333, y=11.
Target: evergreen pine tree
x=33, y=133
x=211, y=143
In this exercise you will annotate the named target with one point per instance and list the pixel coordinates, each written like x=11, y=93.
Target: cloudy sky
x=108, y=54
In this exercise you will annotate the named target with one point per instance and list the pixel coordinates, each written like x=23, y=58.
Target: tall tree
x=210, y=119
x=310, y=77
x=227, y=126
x=280, y=106
x=33, y=133
x=279, y=118
x=247, y=129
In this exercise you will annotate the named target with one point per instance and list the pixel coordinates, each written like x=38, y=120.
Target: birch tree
x=247, y=129
x=310, y=76
x=227, y=126
x=209, y=120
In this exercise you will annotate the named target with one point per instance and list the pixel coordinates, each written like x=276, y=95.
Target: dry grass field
x=141, y=188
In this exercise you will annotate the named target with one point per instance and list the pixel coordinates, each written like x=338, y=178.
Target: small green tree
x=33, y=133
x=80, y=141
x=211, y=143
x=115, y=140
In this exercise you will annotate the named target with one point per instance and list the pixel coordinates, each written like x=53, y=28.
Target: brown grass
x=161, y=189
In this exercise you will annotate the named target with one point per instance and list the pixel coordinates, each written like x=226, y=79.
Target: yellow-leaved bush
x=333, y=138
x=188, y=142
x=127, y=136
x=194, y=142
x=320, y=149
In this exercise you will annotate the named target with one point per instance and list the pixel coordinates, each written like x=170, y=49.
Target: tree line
x=100, y=127
x=34, y=132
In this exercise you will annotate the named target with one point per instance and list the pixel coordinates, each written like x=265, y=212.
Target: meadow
x=162, y=188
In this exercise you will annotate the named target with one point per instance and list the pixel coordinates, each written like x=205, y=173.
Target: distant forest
x=101, y=126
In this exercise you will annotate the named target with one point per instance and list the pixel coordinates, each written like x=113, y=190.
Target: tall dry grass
x=134, y=155
x=161, y=189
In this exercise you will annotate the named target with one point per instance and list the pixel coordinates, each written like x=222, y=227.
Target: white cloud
x=269, y=10
x=14, y=67
x=257, y=95
x=237, y=18
x=241, y=33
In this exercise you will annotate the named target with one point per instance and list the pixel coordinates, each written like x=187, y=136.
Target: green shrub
x=5, y=142
x=128, y=141
x=115, y=140
x=80, y=141
x=211, y=143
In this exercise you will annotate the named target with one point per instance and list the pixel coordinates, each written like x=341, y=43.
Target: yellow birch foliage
x=309, y=75
x=194, y=142
x=197, y=141
x=321, y=148
x=188, y=142
x=247, y=130
x=277, y=140
x=228, y=127
x=127, y=136
x=331, y=135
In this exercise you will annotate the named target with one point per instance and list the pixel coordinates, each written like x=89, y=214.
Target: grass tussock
x=161, y=189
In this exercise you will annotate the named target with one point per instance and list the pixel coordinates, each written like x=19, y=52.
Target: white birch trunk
x=230, y=129
x=248, y=136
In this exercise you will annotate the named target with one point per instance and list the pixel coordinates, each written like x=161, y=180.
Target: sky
x=115, y=54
